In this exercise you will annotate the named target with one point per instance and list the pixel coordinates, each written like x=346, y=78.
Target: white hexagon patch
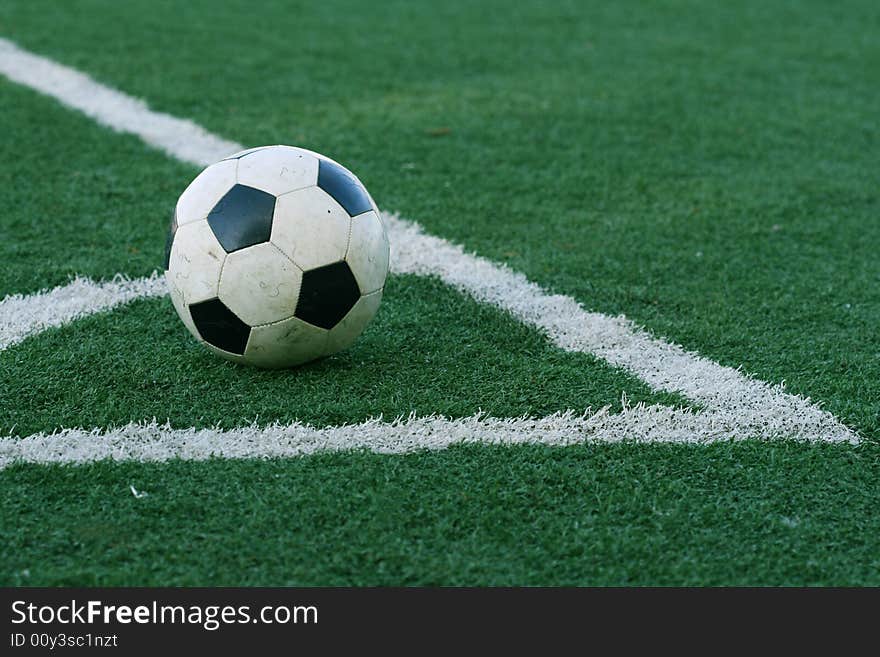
x=195, y=263
x=285, y=344
x=278, y=169
x=368, y=252
x=260, y=284
x=310, y=228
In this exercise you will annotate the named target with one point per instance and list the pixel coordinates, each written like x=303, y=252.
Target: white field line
x=743, y=406
x=22, y=316
x=154, y=442
x=179, y=138
x=762, y=409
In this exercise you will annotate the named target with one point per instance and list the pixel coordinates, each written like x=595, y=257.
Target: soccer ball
x=276, y=256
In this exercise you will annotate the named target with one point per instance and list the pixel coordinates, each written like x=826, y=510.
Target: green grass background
x=748, y=513
x=710, y=171
x=429, y=351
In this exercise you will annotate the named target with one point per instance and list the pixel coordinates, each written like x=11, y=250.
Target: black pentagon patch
x=169, y=240
x=219, y=326
x=327, y=294
x=242, y=218
x=343, y=187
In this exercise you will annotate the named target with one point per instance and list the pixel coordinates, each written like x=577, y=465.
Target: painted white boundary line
x=744, y=406
x=154, y=442
x=22, y=316
x=757, y=408
x=179, y=138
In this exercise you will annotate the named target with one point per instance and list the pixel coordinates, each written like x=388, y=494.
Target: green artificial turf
x=745, y=513
x=76, y=198
x=709, y=171
x=428, y=351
